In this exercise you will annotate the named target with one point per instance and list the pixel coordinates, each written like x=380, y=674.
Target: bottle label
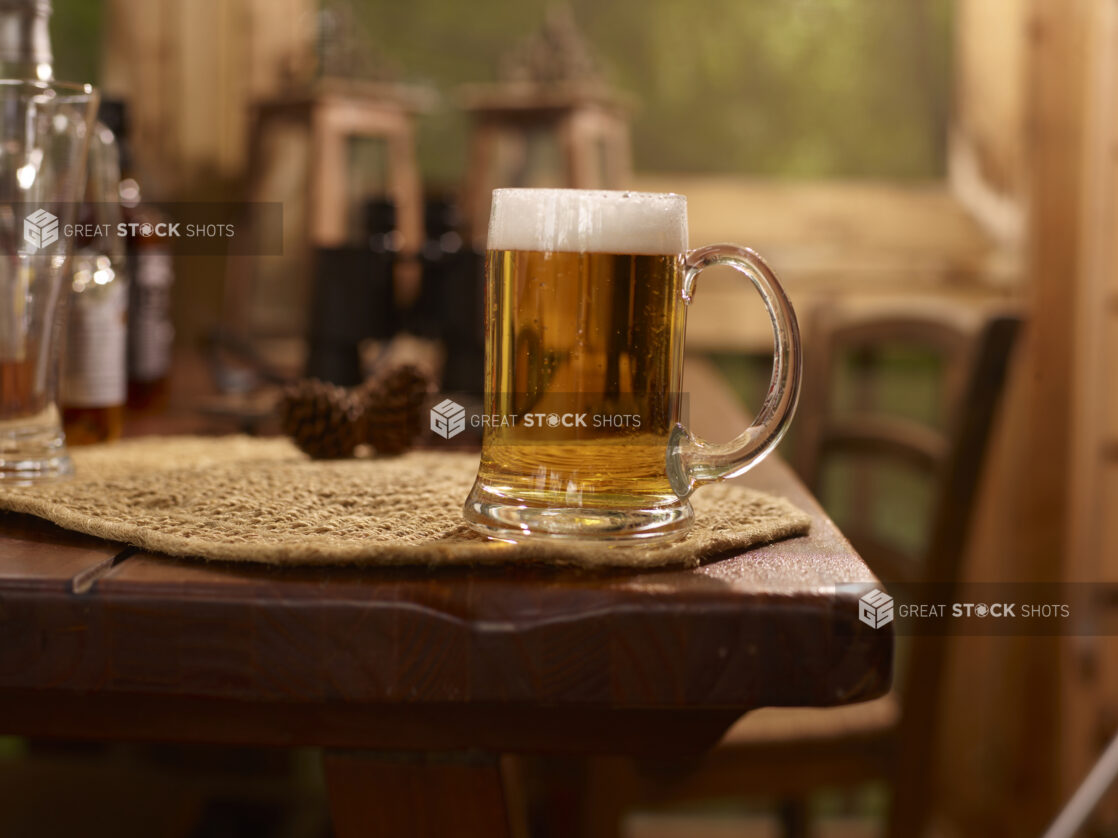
x=93, y=372
x=151, y=331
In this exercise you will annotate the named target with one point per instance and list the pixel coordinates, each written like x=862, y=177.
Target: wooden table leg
x=416, y=794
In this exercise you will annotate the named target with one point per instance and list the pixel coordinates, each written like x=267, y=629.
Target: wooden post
x=190, y=69
x=1003, y=771
x=1090, y=674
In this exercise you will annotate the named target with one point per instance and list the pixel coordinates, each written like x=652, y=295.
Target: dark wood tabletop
x=100, y=641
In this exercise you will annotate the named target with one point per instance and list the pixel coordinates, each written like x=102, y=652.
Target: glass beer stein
x=587, y=295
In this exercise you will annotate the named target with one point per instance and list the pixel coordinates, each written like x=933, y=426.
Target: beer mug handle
x=693, y=461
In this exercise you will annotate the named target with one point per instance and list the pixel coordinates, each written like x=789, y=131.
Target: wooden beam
x=190, y=69
x=1002, y=770
x=1090, y=667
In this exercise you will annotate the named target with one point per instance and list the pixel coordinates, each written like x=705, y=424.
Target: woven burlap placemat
x=261, y=500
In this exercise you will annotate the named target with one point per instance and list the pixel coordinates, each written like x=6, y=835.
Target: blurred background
x=950, y=156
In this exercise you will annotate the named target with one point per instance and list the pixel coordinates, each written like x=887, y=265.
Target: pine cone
x=394, y=408
x=324, y=420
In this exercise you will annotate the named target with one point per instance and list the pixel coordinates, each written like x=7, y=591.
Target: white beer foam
x=588, y=221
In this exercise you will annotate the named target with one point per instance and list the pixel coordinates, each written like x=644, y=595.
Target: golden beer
x=589, y=344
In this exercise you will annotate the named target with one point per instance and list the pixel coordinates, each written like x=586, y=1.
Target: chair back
x=862, y=395
x=869, y=372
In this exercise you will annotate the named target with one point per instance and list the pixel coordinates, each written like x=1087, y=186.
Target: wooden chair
x=787, y=753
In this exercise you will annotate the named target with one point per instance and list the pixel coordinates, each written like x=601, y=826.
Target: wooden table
x=415, y=680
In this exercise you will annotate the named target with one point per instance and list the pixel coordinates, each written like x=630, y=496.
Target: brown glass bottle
x=150, y=333
x=151, y=277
